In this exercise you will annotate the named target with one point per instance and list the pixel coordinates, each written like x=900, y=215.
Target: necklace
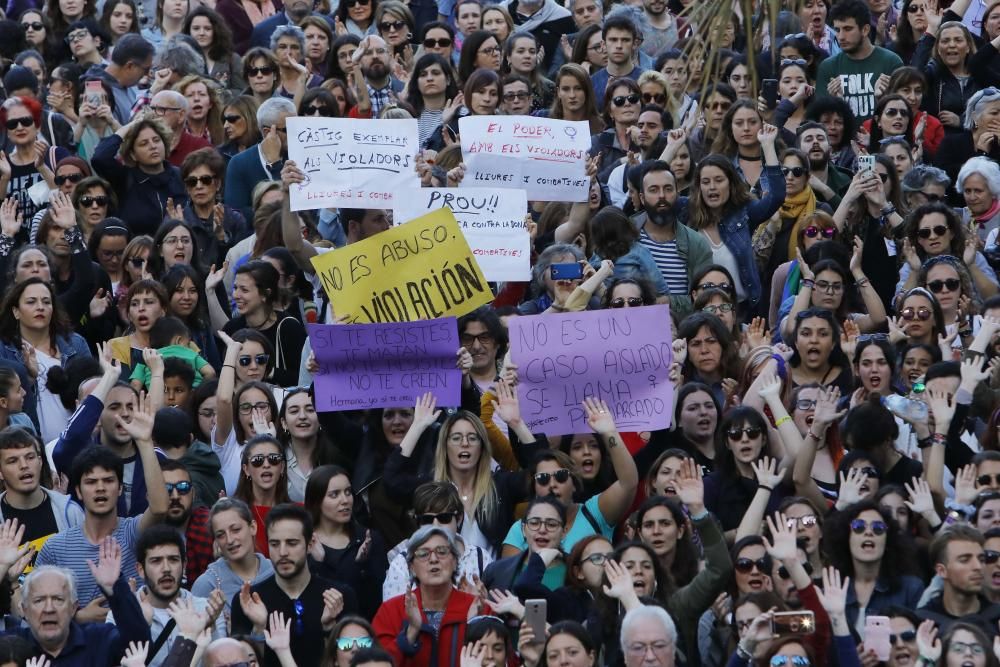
x=757, y=158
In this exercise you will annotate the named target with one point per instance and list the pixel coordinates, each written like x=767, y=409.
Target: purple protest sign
x=385, y=365
x=622, y=356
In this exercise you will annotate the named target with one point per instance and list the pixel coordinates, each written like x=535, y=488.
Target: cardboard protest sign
x=422, y=270
x=543, y=156
x=492, y=221
x=385, y=365
x=350, y=162
x=622, y=356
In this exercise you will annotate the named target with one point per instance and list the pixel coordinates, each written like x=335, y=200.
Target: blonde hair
x=484, y=495
x=214, y=119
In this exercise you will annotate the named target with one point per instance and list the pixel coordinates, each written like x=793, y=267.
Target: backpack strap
x=590, y=519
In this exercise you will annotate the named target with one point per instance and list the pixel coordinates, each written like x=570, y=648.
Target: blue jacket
x=68, y=348
x=737, y=228
x=243, y=173
x=637, y=263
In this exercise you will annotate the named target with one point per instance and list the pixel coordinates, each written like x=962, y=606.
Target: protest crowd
x=454, y=333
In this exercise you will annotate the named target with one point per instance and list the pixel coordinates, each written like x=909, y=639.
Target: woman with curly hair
x=216, y=42
x=204, y=117
x=948, y=279
x=260, y=71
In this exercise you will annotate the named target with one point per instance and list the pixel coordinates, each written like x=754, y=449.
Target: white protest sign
x=543, y=156
x=351, y=163
x=492, y=221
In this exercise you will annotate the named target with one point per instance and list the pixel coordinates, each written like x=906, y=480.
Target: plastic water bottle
x=906, y=408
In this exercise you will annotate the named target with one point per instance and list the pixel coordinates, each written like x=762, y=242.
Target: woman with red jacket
x=425, y=627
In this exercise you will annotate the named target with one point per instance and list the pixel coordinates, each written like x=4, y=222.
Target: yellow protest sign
x=418, y=271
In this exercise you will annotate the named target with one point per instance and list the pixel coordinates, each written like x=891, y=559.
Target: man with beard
x=375, y=55
x=547, y=20
x=678, y=251
x=160, y=562
x=652, y=121
x=312, y=604
x=172, y=108
x=482, y=333
x=191, y=522
x=827, y=180
x=296, y=11
x=659, y=30
x=172, y=435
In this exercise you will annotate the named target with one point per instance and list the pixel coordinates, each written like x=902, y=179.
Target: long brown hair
x=244, y=488
x=577, y=72
x=739, y=194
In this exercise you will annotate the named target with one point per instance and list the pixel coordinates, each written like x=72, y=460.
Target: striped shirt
x=71, y=549
x=669, y=261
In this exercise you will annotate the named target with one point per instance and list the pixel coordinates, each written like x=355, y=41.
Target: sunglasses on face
x=137, y=262
x=194, y=181
x=913, y=9
x=632, y=301
x=922, y=314
x=544, y=478
x=746, y=565
x=182, y=488
x=882, y=177
x=257, y=460
x=937, y=230
x=232, y=118
x=987, y=480
x=812, y=232
x=517, y=95
x=88, y=201
x=259, y=359
x=805, y=521
x=72, y=178
x=931, y=196
x=869, y=471
x=785, y=574
x=797, y=172
x=386, y=26
x=654, y=98
x=439, y=43
x=859, y=526
x=794, y=661
x=938, y=286
x=355, y=3
x=443, y=517
x=351, y=643
x=258, y=71
x=990, y=557
x=25, y=121
x=875, y=337
x=892, y=112
x=33, y=25
x=723, y=286
x=906, y=636
x=736, y=434
x=622, y=100
x=312, y=110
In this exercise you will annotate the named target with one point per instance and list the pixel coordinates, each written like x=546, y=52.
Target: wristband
x=939, y=439
x=808, y=282
x=764, y=486
x=783, y=420
x=229, y=366
x=924, y=443
x=701, y=515
x=861, y=282
x=780, y=360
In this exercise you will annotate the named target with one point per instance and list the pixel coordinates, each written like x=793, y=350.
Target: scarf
x=981, y=219
x=797, y=207
x=257, y=13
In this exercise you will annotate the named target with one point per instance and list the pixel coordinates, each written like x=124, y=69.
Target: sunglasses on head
x=257, y=71
x=261, y=359
x=859, y=526
x=937, y=230
x=812, y=231
x=87, y=201
x=985, y=480
x=905, y=636
x=544, y=478
x=24, y=121
x=257, y=460
x=651, y=98
x=72, y=178
x=193, y=181
x=622, y=100
x=751, y=432
x=938, y=286
x=746, y=565
x=632, y=301
x=442, y=517
x=351, y=643
x=182, y=488
x=439, y=43
x=797, y=172
x=785, y=574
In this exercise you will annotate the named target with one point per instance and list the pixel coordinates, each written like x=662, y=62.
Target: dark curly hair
x=897, y=560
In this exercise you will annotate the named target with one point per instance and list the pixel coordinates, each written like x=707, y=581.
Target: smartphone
x=95, y=93
x=793, y=623
x=570, y=271
x=769, y=91
x=535, y=612
x=877, y=630
x=866, y=162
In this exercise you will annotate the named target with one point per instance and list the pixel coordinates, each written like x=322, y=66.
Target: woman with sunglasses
x=865, y=544
x=395, y=24
x=344, y=549
x=813, y=229
x=357, y=17
x=260, y=70
x=319, y=102
x=349, y=635
x=94, y=200
x=438, y=38
x=263, y=483
x=28, y=162
x=893, y=118
x=214, y=226
x=920, y=319
x=239, y=125
x=622, y=103
x=628, y=293
x=951, y=284
x=107, y=246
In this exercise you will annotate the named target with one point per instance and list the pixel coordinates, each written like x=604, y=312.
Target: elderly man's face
x=169, y=108
x=224, y=652
x=648, y=645
x=49, y=610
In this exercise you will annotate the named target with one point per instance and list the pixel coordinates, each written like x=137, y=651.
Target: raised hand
x=11, y=548
x=849, y=337
x=291, y=174
x=190, y=621
x=766, y=471
x=942, y=407
x=472, y=655
x=278, y=634
x=770, y=386
x=153, y=360
x=135, y=654
x=214, y=278
x=506, y=405
x=261, y=424
x=826, y=407
x=927, y=641
x=680, y=350
x=620, y=583
x=463, y=361
x=99, y=304
x=253, y=607
x=782, y=545
x=424, y=413
x=108, y=364
x=62, y=211
x=413, y=615
x=108, y=568
x=757, y=334
x=850, y=486
x=767, y=134
x=333, y=604
x=43, y=661
x=804, y=269
x=921, y=499
x=833, y=596
x=141, y=425
x=10, y=217
x=690, y=486
x=30, y=358
x=599, y=418
x=505, y=602
x=966, y=485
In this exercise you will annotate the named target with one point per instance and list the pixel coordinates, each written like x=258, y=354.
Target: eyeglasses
x=232, y=118
x=746, y=565
x=987, y=480
x=922, y=314
x=751, y=432
x=355, y=3
x=247, y=408
x=632, y=301
x=489, y=51
x=424, y=553
x=797, y=172
x=182, y=488
x=257, y=460
x=724, y=105
x=544, y=478
x=206, y=413
x=806, y=521
x=518, y=95
x=805, y=403
x=536, y=523
x=193, y=181
x=259, y=359
x=33, y=25
x=24, y=121
x=351, y=643
x=439, y=43
x=598, y=560
x=785, y=574
x=314, y=110
x=622, y=100
x=719, y=308
x=860, y=526
x=938, y=286
x=906, y=636
x=828, y=287
x=793, y=61
x=162, y=111
x=459, y=438
x=961, y=648
x=722, y=286
x=258, y=71
x=600, y=47
x=177, y=240
x=650, y=98
x=442, y=517
x=812, y=232
x=88, y=201
x=386, y=26
x=990, y=557
x=72, y=178
x=640, y=649
x=794, y=661
x=892, y=112
x=484, y=339
x=77, y=36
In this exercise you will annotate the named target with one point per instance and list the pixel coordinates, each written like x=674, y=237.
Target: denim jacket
x=737, y=228
x=69, y=347
x=636, y=263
